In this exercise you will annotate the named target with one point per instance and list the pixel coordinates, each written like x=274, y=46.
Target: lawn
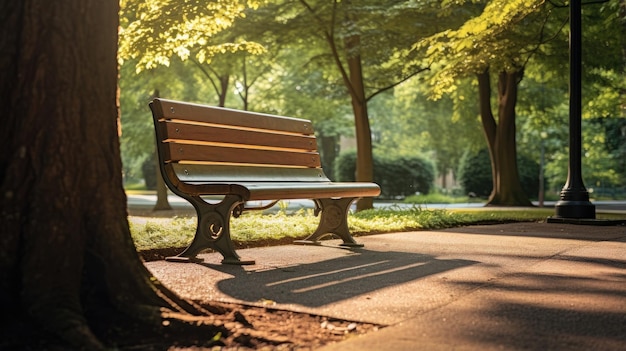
x=158, y=233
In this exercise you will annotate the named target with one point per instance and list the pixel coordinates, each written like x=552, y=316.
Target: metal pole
x=541, y=180
x=574, y=200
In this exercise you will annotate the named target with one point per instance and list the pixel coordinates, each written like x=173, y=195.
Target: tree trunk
x=162, y=202
x=329, y=154
x=65, y=244
x=223, y=91
x=353, y=80
x=501, y=141
x=364, y=162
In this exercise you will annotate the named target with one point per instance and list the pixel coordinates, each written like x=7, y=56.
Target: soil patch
x=228, y=326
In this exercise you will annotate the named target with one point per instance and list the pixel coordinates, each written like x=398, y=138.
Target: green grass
x=135, y=187
x=438, y=198
x=158, y=233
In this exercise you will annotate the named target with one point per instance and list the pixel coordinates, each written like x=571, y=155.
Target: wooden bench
x=244, y=156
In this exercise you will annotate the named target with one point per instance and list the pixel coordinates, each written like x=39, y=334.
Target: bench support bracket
x=213, y=230
x=333, y=220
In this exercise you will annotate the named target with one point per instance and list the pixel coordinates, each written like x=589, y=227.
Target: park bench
x=242, y=156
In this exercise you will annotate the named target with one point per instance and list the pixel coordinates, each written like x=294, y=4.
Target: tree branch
x=207, y=74
x=329, y=35
x=393, y=85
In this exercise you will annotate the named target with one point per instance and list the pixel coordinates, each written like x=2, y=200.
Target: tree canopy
x=453, y=41
x=154, y=31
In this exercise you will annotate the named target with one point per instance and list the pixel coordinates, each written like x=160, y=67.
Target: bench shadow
x=321, y=283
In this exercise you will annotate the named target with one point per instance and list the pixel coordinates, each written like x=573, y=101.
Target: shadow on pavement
x=540, y=311
x=547, y=230
x=328, y=281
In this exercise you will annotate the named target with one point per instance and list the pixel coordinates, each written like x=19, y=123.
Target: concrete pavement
x=519, y=286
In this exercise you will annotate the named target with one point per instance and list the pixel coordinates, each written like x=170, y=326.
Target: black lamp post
x=574, y=201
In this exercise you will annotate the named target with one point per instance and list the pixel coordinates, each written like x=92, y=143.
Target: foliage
x=409, y=121
x=297, y=75
x=437, y=198
x=600, y=165
x=154, y=31
x=499, y=35
x=398, y=176
x=475, y=174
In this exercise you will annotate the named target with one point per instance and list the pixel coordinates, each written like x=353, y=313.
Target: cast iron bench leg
x=334, y=220
x=213, y=230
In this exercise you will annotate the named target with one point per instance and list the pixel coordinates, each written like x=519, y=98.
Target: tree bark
x=329, y=154
x=365, y=159
x=65, y=244
x=162, y=202
x=501, y=141
x=364, y=163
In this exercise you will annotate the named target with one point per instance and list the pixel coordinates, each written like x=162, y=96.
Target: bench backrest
x=199, y=143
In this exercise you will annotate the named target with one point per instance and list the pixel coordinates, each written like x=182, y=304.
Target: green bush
x=475, y=174
x=528, y=170
x=398, y=176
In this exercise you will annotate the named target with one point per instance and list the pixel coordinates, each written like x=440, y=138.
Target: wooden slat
x=175, y=152
x=215, y=134
x=295, y=190
x=170, y=109
x=195, y=173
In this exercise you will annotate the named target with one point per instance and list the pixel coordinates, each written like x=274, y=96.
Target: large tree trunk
x=65, y=245
x=501, y=141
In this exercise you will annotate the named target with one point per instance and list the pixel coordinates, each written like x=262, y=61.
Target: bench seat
x=281, y=190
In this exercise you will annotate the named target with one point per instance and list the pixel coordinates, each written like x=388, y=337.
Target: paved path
x=521, y=286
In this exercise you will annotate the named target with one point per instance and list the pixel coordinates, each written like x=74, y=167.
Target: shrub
x=475, y=174
x=398, y=176
x=149, y=171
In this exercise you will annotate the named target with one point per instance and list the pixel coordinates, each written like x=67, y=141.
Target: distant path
x=147, y=201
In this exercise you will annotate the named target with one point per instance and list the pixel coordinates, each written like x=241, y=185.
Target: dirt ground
x=228, y=327
x=256, y=328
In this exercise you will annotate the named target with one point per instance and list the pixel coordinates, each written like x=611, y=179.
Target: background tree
x=544, y=102
x=137, y=140
x=297, y=73
x=509, y=39
x=499, y=40
x=368, y=44
x=443, y=129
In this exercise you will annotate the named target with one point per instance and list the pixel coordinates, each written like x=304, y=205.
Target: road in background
x=147, y=201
